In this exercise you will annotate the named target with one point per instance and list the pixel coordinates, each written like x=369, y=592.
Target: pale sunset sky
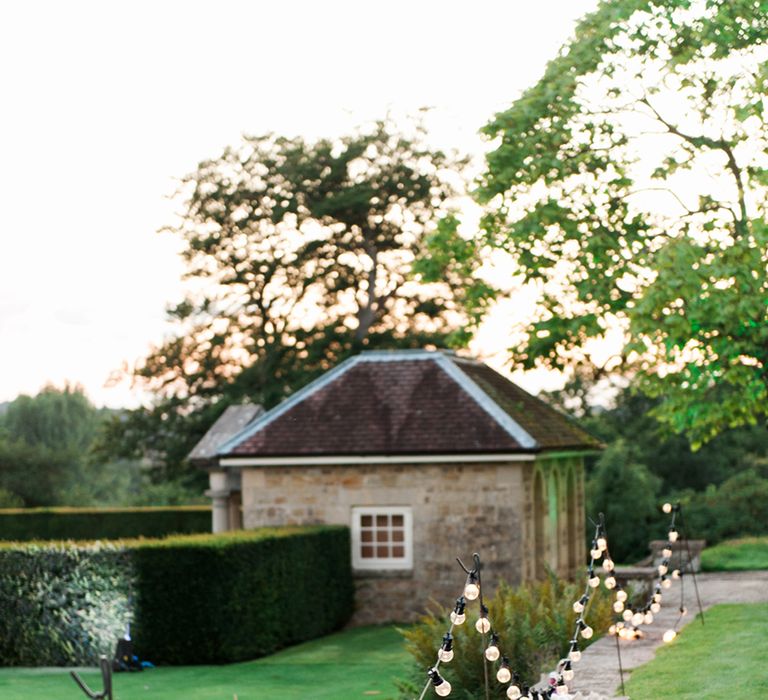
x=104, y=104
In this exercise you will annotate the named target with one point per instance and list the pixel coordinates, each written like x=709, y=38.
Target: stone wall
x=457, y=509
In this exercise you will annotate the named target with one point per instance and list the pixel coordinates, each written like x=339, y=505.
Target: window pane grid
x=382, y=538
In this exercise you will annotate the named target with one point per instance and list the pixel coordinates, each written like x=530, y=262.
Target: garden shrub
x=190, y=599
x=26, y=524
x=534, y=622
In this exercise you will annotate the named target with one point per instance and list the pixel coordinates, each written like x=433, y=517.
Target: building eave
x=312, y=460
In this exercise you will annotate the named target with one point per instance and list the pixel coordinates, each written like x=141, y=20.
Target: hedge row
x=26, y=524
x=190, y=600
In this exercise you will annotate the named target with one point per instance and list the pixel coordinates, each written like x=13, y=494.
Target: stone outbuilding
x=426, y=456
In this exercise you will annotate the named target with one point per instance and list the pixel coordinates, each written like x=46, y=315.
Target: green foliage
x=27, y=524
x=596, y=189
x=736, y=508
x=534, y=623
x=304, y=254
x=745, y=554
x=626, y=492
x=191, y=599
x=62, y=604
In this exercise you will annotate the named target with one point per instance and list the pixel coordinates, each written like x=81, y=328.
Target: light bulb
x=627, y=615
x=683, y=611
x=443, y=689
x=676, y=574
x=610, y=582
x=457, y=619
x=648, y=618
x=445, y=655
x=471, y=591
x=657, y=597
x=608, y=564
x=655, y=607
x=618, y=606
x=503, y=675
x=595, y=553
x=666, y=583
x=666, y=553
x=513, y=692
x=673, y=535
x=602, y=544
x=612, y=630
x=492, y=653
x=483, y=625
x=667, y=507
x=594, y=582
x=669, y=635
x=574, y=655
x=578, y=607
x=567, y=672
x=662, y=569
x=561, y=689
x=621, y=595
x=587, y=632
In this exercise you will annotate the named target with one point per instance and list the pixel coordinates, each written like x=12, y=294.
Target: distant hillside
x=4, y=406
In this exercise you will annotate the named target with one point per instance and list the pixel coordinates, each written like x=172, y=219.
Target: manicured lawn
x=747, y=554
x=724, y=658
x=345, y=666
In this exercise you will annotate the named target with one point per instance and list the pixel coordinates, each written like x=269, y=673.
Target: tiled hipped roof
x=408, y=403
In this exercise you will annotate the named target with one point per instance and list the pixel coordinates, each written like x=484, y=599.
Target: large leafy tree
x=630, y=184
x=300, y=254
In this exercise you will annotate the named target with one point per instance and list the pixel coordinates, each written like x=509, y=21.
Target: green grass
x=360, y=663
x=747, y=554
x=724, y=658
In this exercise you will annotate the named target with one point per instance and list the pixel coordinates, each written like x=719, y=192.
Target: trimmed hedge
x=190, y=600
x=27, y=524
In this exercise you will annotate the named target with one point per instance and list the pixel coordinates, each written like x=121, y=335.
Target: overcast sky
x=103, y=104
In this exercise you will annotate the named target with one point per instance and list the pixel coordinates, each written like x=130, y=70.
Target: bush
x=26, y=524
x=736, y=508
x=625, y=491
x=191, y=599
x=534, y=623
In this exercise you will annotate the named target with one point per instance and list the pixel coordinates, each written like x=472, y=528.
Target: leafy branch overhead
x=630, y=184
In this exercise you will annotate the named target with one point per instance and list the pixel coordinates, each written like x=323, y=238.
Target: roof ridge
x=502, y=418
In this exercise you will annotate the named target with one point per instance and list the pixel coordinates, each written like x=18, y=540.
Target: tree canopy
x=630, y=184
x=299, y=254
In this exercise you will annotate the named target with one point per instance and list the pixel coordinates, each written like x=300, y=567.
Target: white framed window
x=382, y=537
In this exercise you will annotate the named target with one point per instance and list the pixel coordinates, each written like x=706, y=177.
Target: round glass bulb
x=612, y=630
x=663, y=568
x=471, y=591
x=595, y=553
x=445, y=655
x=637, y=619
x=483, y=625
x=492, y=653
x=621, y=595
x=673, y=535
x=561, y=689
x=669, y=635
x=666, y=583
x=676, y=574
x=587, y=632
x=568, y=674
x=503, y=675
x=627, y=615
x=655, y=607
x=648, y=619
x=574, y=655
x=513, y=692
x=578, y=607
x=666, y=552
x=608, y=564
x=657, y=597
x=594, y=582
x=667, y=507
x=457, y=619
x=602, y=544
x=618, y=606
x=443, y=689
x=610, y=582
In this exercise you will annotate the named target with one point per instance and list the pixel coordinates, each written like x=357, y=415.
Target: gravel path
x=598, y=672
